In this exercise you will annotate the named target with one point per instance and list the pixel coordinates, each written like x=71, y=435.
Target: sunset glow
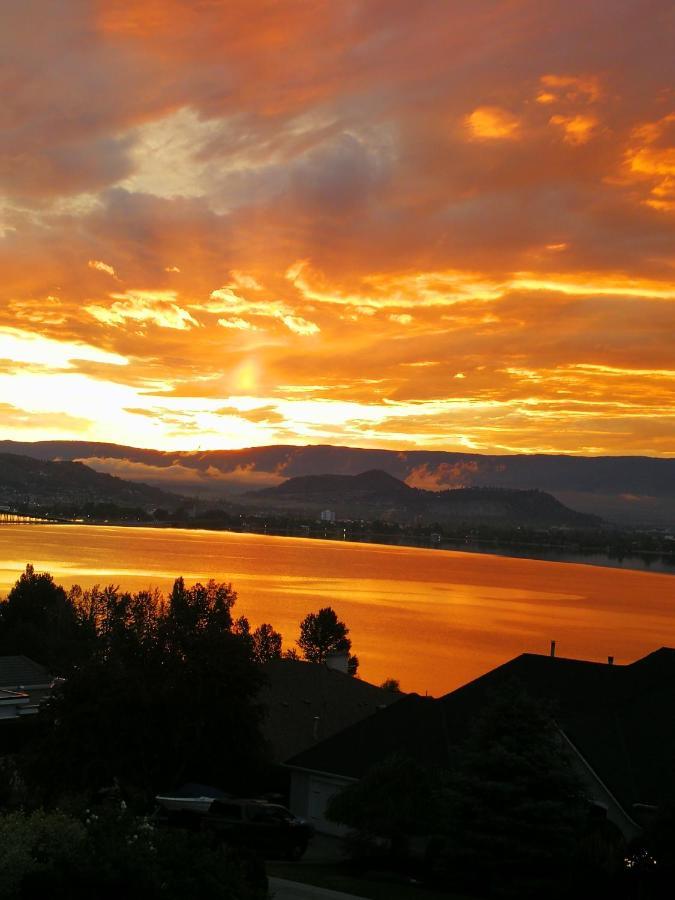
x=379, y=224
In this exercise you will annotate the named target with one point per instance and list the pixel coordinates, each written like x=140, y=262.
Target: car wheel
x=296, y=851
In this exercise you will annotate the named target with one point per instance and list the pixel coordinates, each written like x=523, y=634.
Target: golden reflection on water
x=433, y=619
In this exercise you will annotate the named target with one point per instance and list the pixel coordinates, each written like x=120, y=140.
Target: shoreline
x=648, y=561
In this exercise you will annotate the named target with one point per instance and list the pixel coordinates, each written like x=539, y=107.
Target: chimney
x=552, y=649
x=338, y=661
x=610, y=660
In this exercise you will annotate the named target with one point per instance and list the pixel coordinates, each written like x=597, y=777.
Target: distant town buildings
x=327, y=515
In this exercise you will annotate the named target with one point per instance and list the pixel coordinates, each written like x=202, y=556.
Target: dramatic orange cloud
x=444, y=225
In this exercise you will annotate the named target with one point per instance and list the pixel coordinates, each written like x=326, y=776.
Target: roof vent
x=610, y=660
x=552, y=649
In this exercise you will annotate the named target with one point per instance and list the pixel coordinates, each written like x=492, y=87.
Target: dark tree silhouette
x=266, y=643
x=38, y=619
x=323, y=633
x=396, y=799
x=515, y=806
x=169, y=694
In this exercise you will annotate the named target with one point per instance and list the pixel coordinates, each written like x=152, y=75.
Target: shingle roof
x=621, y=718
x=414, y=726
x=306, y=703
x=20, y=671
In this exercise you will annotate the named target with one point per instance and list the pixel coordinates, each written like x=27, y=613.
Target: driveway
x=280, y=889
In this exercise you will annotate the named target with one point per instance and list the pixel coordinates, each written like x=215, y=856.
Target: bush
x=111, y=854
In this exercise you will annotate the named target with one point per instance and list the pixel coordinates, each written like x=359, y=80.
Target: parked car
x=268, y=828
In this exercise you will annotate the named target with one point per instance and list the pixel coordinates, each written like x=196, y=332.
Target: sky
x=443, y=224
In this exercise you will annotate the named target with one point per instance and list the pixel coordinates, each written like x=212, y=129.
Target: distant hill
x=24, y=480
x=629, y=489
x=376, y=494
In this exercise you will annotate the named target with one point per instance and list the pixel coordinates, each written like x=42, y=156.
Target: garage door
x=320, y=792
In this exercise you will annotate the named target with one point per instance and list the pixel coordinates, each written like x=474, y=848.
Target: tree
x=38, y=619
x=323, y=633
x=391, y=684
x=266, y=644
x=396, y=799
x=169, y=694
x=515, y=807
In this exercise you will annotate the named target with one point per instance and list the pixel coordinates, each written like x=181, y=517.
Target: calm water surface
x=433, y=619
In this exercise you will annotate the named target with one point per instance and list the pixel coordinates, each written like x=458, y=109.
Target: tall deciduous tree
x=323, y=633
x=168, y=695
x=266, y=643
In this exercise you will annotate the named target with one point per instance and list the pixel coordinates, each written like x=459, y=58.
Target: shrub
x=111, y=854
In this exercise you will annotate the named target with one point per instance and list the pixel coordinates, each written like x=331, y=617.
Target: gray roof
x=307, y=702
x=18, y=672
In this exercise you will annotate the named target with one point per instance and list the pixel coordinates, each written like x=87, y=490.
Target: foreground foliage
x=110, y=854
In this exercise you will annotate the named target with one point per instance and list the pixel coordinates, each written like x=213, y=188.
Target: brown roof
x=307, y=702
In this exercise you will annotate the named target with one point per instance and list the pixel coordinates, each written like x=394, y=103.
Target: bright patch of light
x=27, y=347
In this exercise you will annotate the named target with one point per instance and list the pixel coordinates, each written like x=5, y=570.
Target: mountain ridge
x=374, y=494
x=634, y=490
x=25, y=480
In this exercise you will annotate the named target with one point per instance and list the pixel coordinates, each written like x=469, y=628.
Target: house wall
x=600, y=793
x=310, y=793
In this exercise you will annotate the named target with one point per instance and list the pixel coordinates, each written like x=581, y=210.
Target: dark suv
x=269, y=829
x=266, y=827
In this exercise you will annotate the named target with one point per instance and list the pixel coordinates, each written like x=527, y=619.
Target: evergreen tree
x=38, y=619
x=515, y=807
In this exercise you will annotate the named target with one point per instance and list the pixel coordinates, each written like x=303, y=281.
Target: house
x=306, y=703
x=13, y=704
x=616, y=721
x=23, y=685
x=414, y=727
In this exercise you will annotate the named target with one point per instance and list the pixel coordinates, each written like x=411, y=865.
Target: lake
x=434, y=619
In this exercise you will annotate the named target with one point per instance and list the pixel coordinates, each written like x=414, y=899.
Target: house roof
x=307, y=702
x=12, y=697
x=619, y=717
x=18, y=672
x=414, y=726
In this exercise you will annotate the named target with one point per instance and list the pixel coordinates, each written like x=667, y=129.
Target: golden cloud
x=475, y=252
x=102, y=267
x=145, y=307
x=577, y=129
x=491, y=123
